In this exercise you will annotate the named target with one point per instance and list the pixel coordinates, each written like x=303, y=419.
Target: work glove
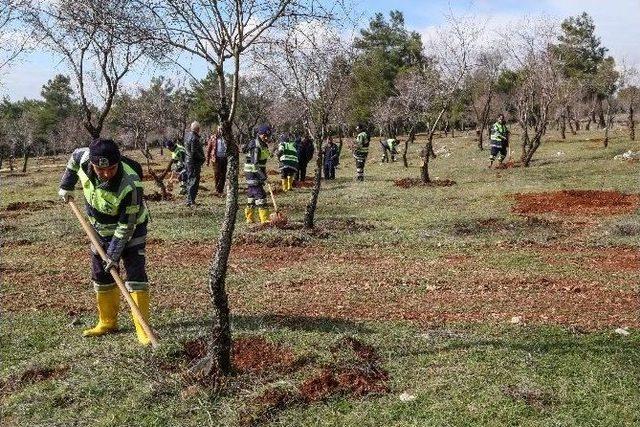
x=65, y=195
x=109, y=264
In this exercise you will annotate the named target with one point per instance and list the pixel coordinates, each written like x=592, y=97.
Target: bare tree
x=453, y=48
x=99, y=40
x=311, y=62
x=539, y=78
x=221, y=33
x=482, y=87
x=14, y=38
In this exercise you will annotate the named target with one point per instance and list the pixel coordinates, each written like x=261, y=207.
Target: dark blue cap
x=264, y=130
x=104, y=153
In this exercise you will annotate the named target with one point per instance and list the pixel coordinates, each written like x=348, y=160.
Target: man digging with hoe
x=112, y=190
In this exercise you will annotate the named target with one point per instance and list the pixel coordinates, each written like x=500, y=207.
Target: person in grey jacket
x=194, y=159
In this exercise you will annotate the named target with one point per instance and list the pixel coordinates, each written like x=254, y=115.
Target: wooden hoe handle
x=123, y=289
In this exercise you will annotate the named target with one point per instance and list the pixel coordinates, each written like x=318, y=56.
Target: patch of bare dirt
x=304, y=184
x=508, y=165
x=250, y=354
x=535, y=398
x=416, y=182
x=157, y=197
x=31, y=376
x=609, y=259
x=576, y=202
x=30, y=206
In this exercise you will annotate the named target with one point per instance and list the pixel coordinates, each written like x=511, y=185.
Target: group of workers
x=113, y=191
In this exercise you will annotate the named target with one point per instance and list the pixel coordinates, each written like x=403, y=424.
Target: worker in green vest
x=288, y=156
x=499, y=141
x=361, y=151
x=112, y=189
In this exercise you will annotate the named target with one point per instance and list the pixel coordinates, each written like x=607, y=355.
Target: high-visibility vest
x=262, y=157
x=362, y=145
x=179, y=153
x=498, y=132
x=107, y=202
x=288, y=154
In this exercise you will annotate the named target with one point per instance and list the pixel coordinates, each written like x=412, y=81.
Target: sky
x=617, y=24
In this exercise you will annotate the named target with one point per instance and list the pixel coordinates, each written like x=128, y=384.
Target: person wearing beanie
x=255, y=171
x=194, y=159
x=112, y=189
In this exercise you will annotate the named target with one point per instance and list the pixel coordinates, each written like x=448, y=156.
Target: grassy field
x=490, y=302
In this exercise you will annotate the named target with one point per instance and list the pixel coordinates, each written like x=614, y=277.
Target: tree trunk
x=310, y=210
x=1, y=162
x=602, y=123
x=563, y=127
x=409, y=140
x=426, y=156
x=587, y=126
x=632, y=124
x=480, y=133
x=607, y=126
x=24, y=161
x=220, y=346
x=11, y=160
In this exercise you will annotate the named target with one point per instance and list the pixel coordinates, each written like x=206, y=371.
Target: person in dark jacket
x=217, y=154
x=112, y=189
x=304, y=147
x=194, y=159
x=331, y=153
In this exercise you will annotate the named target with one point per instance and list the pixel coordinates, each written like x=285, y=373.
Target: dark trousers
x=329, y=171
x=302, y=171
x=133, y=260
x=360, y=162
x=499, y=150
x=193, y=182
x=220, y=173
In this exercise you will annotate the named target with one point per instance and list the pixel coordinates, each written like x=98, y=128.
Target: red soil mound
x=415, y=182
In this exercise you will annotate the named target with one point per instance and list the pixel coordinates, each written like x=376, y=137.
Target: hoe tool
x=276, y=217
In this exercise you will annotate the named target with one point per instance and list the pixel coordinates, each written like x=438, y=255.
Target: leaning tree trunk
x=427, y=151
x=310, y=211
x=632, y=124
x=409, y=140
x=601, y=120
x=220, y=346
x=533, y=146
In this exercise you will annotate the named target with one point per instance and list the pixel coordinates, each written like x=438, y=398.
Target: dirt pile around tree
x=576, y=202
x=416, y=182
x=251, y=354
x=356, y=371
x=304, y=184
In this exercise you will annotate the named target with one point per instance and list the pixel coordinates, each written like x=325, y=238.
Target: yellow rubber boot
x=284, y=184
x=289, y=182
x=141, y=298
x=263, y=213
x=248, y=214
x=108, y=306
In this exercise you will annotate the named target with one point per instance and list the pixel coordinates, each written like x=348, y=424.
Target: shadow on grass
x=257, y=322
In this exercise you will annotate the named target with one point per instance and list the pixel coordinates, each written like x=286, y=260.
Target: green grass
x=461, y=372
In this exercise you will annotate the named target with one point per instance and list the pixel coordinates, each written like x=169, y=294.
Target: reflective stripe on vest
x=498, y=132
x=289, y=152
x=179, y=151
x=263, y=156
x=108, y=202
